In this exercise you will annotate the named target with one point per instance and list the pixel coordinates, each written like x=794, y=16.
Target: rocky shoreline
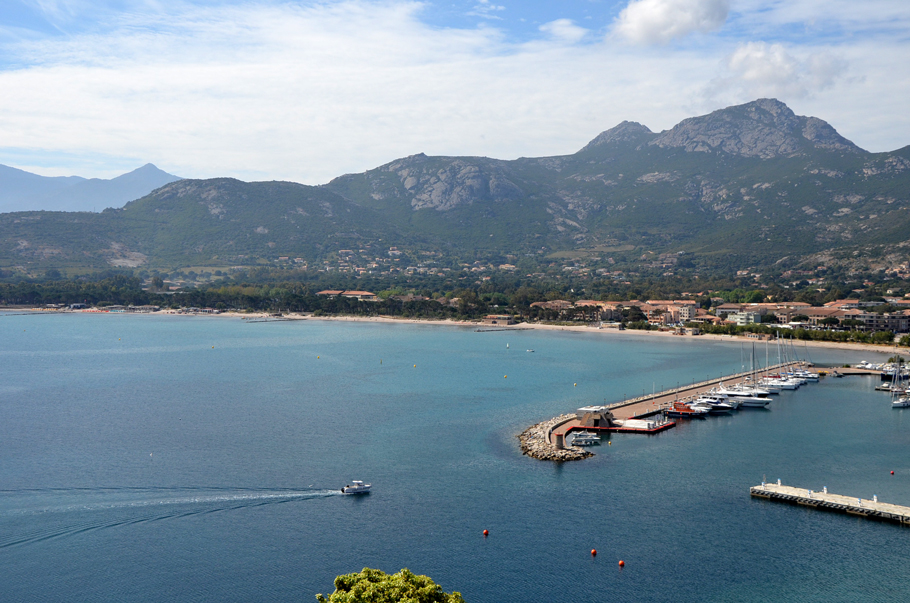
x=534, y=443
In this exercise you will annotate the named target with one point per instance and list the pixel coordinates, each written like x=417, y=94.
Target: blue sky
x=306, y=91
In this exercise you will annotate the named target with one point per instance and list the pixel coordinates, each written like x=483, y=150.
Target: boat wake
x=100, y=509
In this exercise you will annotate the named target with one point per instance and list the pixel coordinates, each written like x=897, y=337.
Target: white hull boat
x=357, y=487
x=751, y=401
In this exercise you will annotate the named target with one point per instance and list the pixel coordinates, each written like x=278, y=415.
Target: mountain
x=743, y=186
x=23, y=191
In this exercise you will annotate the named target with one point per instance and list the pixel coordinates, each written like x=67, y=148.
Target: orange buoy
x=505, y=376
x=486, y=533
x=622, y=563
x=594, y=552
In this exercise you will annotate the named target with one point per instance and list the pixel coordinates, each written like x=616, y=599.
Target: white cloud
x=759, y=69
x=308, y=93
x=564, y=29
x=486, y=9
x=661, y=21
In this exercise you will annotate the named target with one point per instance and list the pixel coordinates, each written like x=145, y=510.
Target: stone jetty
x=535, y=443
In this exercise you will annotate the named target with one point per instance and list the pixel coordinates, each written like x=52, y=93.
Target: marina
x=824, y=500
x=557, y=439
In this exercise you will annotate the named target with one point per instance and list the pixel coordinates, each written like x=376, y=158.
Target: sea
x=173, y=458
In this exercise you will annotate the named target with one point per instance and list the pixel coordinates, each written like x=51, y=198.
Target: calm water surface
x=140, y=463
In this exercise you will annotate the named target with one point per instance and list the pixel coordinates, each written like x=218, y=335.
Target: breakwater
x=538, y=440
x=535, y=442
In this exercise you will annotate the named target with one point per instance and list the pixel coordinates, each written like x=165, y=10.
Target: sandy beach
x=606, y=332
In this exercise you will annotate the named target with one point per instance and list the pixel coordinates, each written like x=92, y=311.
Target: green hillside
x=743, y=186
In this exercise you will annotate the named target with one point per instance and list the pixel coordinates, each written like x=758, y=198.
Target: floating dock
x=851, y=505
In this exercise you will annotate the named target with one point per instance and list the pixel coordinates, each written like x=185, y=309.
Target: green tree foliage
x=375, y=586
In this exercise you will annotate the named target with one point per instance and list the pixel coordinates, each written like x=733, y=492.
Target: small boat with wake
x=358, y=488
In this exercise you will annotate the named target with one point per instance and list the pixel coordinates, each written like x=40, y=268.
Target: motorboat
x=808, y=376
x=716, y=405
x=358, y=487
x=679, y=409
x=584, y=438
x=782, y=382
x=751, y=401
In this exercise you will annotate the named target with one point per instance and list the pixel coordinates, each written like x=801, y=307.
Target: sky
x=309, y=90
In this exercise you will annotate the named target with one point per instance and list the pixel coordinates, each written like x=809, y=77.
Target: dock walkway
x=647, y=404
x=833, y=502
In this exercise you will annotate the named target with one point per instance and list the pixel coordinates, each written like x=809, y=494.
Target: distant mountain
x=24, y=191
x=743, y=186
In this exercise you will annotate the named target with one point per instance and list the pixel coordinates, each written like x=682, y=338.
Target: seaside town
x=684, y=314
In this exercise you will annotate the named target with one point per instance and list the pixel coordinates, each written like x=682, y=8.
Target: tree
x=829, y=321
x=375, y=586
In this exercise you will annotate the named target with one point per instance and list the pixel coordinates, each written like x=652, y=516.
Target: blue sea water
x=159, y=458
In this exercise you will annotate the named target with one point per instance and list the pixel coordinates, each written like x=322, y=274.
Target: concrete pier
x=822, y=499
x=548, y=440
x=649, y=404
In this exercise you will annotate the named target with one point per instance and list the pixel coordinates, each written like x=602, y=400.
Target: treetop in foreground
x=376, y=586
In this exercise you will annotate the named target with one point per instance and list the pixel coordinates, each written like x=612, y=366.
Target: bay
x=152, y=458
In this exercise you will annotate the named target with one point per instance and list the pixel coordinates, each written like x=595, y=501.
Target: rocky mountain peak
x=763, y=128
x=624, y=132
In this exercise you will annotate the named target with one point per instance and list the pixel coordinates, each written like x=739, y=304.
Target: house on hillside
x=360, y=295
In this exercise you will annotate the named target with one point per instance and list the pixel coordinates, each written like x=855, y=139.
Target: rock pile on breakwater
x=535, y=444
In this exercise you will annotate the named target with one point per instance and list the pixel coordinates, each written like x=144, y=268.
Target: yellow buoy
x=505, y=376
x=213, y=347
x=415, y=366
x=317, y=357
x=574, y=385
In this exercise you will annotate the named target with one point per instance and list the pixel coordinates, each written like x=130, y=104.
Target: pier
x=547, y=440
x=872, y=509
x=650, y=404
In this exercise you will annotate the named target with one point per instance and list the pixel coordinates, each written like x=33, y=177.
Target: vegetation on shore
x=470, y=301
x=375, y=586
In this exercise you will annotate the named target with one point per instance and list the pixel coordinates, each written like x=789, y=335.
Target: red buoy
x=594, y=552
x=622, y=563
x=892, y=473
x=486, y=533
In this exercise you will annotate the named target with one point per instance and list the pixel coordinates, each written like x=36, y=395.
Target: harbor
x=824, y=500
x=557, y=439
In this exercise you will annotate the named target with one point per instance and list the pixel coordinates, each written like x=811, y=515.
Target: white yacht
x=358, y=488
x=753, y=401
x=585, y=438
x=743, y=389
x=715, y=403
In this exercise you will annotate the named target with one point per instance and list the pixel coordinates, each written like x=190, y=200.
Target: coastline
x=835, y=345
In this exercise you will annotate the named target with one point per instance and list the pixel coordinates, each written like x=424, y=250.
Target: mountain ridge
x=745, y=185
x=24, y=191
